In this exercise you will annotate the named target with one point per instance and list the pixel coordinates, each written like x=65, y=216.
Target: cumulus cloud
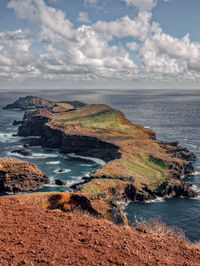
x=81, y=52
x=83, y=17
x=132, y=45
x=142, y=5
x=87, y=53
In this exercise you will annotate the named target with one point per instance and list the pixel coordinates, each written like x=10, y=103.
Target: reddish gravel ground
x=33, y=236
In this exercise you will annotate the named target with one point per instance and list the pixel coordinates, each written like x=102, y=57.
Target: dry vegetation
x=135, y=143
x=157, y=226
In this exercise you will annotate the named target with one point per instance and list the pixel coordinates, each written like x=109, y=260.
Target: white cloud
x=132, y=45
x=51, y=18
x=125, y=26
x=86, y=53
x=142, y=5
x=83, y=17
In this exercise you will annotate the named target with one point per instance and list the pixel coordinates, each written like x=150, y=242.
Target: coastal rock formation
x=20, y=176
x=133, y=156
x=34, y=103
x=60, y=182
x=22, y=152
x=30, y=102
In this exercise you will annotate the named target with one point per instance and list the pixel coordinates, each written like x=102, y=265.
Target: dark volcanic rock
x=175, y=188
x=17, y=122
x=117, y=216
x=176, y=150
x=23, y=152
x=30, y=102
x=60, y=182
x=19, y=176
x=32, y=127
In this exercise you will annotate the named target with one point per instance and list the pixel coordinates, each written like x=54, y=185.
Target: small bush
x=157, y=226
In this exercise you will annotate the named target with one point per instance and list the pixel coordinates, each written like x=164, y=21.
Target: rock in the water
x=17, y=122
x=60, y=182
x=20, y=176
x=22, y=152
x=61, y=171
x=30, y=102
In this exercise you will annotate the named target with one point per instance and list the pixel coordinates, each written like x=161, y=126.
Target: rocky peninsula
x=88, y=225
x=138, y=167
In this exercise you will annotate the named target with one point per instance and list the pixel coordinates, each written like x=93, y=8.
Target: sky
x=116, y=44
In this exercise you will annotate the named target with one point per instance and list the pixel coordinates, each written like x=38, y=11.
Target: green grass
x=100, y=185
x=102, y=120
x=159, y=162
x=144, y=171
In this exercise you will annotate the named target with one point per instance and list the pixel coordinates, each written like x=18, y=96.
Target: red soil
x=34, y=236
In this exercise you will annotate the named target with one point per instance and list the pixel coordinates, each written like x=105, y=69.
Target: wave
x=193, y=146
x=85, y=164
x=96, y=160
x=8, y=137
x=44, y=155
x=147, y=127
x=62, y=171
x=34, y=155
x=74, y=181
x=196, y=173
x=53, y=162
x=196, y=188
x=158, y=199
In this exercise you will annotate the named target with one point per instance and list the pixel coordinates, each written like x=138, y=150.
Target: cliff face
x=138, y=166
x=20, y=176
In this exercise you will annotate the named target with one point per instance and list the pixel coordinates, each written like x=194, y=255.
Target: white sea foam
x=8, y=137
x=96, y=160
x=87, y=174
x=18, y=155
x=53, y=162
x=85, y=164
x=44, y=155
x=196, y=188
x=196, y=173
x=147, y=127
x=193, y=146
x=74, y=181
x=158, y=199
x=62, y=171
x=34, y=155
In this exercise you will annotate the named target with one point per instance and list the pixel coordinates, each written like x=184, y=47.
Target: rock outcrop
x=20, y=176
x=30, y=102
x=22, y=152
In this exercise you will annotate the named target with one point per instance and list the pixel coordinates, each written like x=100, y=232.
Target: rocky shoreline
x=38, y=123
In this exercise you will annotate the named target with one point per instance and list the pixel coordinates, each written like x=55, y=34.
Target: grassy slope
x=135, y=144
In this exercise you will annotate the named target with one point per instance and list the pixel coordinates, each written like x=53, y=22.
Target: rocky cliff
x=138, y=167
x=20, y=176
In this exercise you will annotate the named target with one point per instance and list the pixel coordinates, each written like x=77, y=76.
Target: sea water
x=173, y=114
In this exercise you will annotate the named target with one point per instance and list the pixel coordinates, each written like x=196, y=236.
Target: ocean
x=173, y=114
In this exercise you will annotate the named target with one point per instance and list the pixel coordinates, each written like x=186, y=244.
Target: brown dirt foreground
x=35, y=236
